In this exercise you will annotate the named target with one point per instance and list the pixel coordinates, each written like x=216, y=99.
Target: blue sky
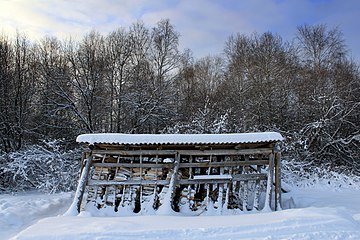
x=204, y=25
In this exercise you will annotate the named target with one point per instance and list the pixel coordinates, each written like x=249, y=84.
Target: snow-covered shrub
x=307, y=174
x=332, y=139
x=46, y=167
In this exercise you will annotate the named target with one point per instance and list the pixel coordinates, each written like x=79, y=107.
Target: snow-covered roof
x=178, y=139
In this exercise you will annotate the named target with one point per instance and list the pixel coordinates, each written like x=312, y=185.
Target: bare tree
x=261, y=70
x=55, y=102
x=119, y=51
x=6, y=72
x=88, y=71
x=17, y=85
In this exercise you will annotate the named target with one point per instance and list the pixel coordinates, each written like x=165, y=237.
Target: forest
x=138, y=80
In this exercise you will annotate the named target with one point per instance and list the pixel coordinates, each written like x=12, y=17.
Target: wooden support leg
x=269, y=184
x=75, y=206
x=257, y=190
x=246, y=186
x=166, y=207
x=220, y=193
x=277, y=182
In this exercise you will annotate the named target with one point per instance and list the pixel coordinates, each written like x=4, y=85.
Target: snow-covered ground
x=316, y=213
x=20, y=211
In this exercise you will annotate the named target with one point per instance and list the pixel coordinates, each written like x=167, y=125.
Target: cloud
x=204, y=25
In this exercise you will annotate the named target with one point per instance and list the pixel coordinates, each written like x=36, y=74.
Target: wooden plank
x=225, y=152
x=135, y=165
x=174, y=177
x=127, y=182
x=224, y=164
x=136, y=152
x=257, y=190
x=83, y=157
x=269, y=183
x=277, y=181
x=208, y=176
x=185, y=165
x=156, y=171
x=245, y=186
x=237, y=177
x=215, y=152
x=82, y=184
x=141, y=167
x=190, y=168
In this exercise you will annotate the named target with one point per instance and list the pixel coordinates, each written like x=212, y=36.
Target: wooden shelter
x=186, y=173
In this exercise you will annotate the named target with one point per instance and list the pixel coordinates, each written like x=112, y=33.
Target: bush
x=307, y=175
x=44, y=167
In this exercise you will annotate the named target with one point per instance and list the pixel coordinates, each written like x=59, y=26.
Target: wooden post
x=173, y=179
x=190, y=168
x=246, y=186
x=277, y=181
x=155, y=194
x=257, y=190
x=83, y=157
x=76, y=204
x=166, y=206
x=141, y=178
x=220, y=193
x=269, y=184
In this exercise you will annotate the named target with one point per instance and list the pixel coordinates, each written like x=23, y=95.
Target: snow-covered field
x=316, y=213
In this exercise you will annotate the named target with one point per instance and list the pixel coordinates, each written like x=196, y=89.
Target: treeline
x=137, y=80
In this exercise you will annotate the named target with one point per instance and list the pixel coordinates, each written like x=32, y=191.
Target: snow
x=316, y=213
x=136, y=139
x=309, y=223
x=225, y=176
x=19, y=211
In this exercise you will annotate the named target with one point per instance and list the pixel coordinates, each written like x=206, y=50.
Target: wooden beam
x=76, y=204
x=184, y=165
x=225, y=152
x=277, y=181
x=136, y=152
x=237, y=177
x=135, y=165
x=127, y=182
x=269, y=183
x=224, y=164
x=174, y=177
x=215, y=152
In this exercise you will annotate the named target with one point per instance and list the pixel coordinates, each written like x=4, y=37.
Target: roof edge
x=178, y=139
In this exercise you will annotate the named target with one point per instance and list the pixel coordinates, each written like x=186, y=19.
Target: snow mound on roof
x=147, y=139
